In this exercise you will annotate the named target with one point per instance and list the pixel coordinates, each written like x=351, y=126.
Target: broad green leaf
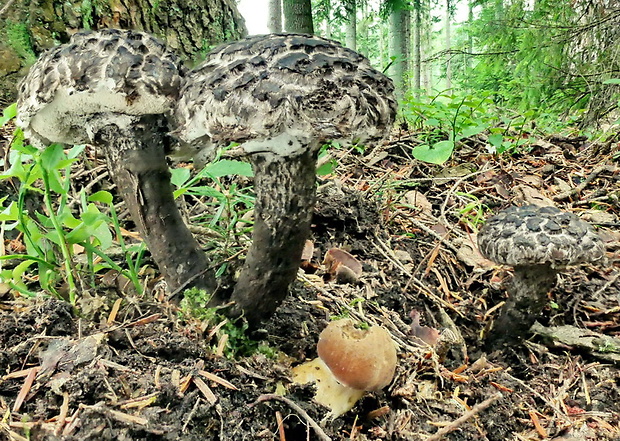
x=612, y=81
x=496, y=140
x=8, y=114
x=439, y=153
x=104, y=197
x=179, y=176
x=227, y=167
x=10, y=213
x=473, y=130
x=327, y=167
x=51, y=156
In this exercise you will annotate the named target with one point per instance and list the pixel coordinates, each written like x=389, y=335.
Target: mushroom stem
x=285, y=195
x=137, y=164
x=528, y=296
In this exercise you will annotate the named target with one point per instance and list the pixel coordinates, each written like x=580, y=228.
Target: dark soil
x=149, y=373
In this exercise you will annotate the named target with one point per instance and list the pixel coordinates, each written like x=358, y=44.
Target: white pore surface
x=198, y=131
x=74, y=117
x=285, y=144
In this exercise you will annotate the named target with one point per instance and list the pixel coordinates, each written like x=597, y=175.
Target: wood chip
x=218, y=380
x=206, y=390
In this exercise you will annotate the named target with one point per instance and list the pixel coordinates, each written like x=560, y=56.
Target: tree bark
x=399, y=49
x=191, y=28
x=351, y=25
x=417, y=49
x=448, y=30
x=275, y=16
x=298, y=16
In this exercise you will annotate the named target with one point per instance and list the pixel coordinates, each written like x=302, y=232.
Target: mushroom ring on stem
x=280, y=97
x=537, y=242
x=113, y=88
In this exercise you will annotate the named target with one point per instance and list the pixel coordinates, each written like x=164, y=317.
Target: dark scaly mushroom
x=537, y=242
x=281, y=97
x=112, y=88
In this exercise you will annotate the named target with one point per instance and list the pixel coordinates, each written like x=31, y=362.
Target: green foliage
x=473, y=213
x=227, y=204
x=535, y=56
x=18, y=37
x=194, y=305
x=52, y=231
x=86, y=8
x=446, y=119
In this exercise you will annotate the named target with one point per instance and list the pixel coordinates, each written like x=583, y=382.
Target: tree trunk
x=328, y=19
x=417, y=49
x=399, y=49
x=351, y=25
x=275, y=16
x=298, y=16
x=32, y=26
x=448, y=44
x=426, y=48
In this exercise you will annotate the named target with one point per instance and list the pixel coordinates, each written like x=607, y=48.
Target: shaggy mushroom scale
x=280, y=97
x=112, y=88
x=537, y=242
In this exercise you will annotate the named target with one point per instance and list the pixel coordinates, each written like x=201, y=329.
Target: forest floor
x=145, y=372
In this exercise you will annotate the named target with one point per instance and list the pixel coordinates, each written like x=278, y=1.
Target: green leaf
x=8, y=114
x=208, y=192
x=75, y=151
x=496, y=140
x=327, y=167
x=179, y=176
x=227, y=167
x=104, y=197
x=473, y=130
x=439, y=153
x=10, y=213
x=51, y=157
x=612, y=81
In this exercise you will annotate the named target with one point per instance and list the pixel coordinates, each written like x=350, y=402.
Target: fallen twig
x=591, y=177
x=465, y=417
x=317, y=429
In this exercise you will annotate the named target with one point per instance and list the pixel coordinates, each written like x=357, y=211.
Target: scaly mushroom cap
x=533, y=235
x=98, y=78
x=362, y=359
x=283, y=92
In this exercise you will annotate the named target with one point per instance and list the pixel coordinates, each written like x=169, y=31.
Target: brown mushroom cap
x=363, y=359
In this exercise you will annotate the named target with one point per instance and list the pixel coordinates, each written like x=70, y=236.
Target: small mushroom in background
x=351, y=362
x=537, y=242
x=113, y=88
x=341, y=266
x=281, y=97
x=307, y=254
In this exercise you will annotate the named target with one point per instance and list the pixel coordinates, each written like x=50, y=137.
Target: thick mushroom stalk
x=281, y=97
x=537, y=241
x=112, y=88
